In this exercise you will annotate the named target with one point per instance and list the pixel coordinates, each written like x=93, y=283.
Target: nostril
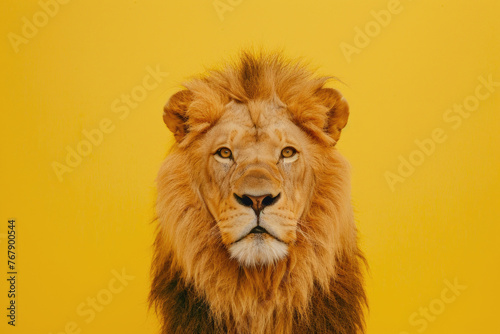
x=245, y=200
x=257, y=203
x=270, y=200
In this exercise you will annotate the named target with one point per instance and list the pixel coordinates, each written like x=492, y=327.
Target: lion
x=255, y=229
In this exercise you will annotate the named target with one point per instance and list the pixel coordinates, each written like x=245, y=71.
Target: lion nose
x=257, y=203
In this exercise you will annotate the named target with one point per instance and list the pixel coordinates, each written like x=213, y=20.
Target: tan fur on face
x=209, y=274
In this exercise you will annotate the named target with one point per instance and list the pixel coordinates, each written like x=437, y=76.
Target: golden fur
x=209, y=274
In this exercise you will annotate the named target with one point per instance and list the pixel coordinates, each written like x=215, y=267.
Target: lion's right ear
x=175, y=113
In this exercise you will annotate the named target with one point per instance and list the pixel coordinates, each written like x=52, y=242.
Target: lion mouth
x=258, y=229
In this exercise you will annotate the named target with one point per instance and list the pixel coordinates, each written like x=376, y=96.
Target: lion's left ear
x=338, y=111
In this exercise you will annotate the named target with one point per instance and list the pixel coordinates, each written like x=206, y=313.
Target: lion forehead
x=259, y=121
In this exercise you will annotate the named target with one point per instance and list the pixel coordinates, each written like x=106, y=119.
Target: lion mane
x=197, y=287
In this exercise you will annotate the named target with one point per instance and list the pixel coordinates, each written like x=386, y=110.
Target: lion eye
x=288, y=152
x=224, y=153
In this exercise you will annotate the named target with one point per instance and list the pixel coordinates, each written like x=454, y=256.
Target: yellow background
x=441, y=223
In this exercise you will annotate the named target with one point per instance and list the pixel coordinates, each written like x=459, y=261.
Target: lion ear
x=175, y=113
x=338, y=111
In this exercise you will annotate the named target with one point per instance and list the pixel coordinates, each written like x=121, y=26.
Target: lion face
x=259, y=181
x=251, y=146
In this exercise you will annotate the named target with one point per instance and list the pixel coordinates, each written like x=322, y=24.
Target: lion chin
x=255, y=228
x=258, y=249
